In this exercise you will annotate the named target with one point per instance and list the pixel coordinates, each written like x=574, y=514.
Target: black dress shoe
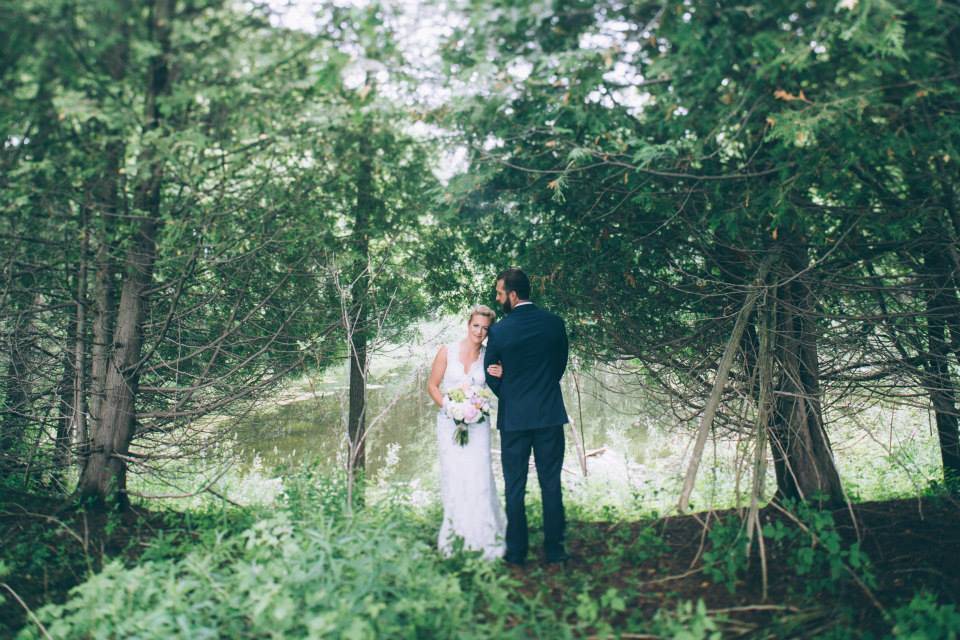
x=514, y=562
x=558, y=558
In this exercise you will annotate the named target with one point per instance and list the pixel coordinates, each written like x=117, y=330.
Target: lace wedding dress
x=471, y=508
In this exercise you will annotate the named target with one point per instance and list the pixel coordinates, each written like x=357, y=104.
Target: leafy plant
x=925, y=619
x=306, y=569
x=815, y=551
x=688, y=621
x=726, y=559
x=811, y=548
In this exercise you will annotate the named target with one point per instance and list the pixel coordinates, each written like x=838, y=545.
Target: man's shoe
x=558, y=558
x=514, y=562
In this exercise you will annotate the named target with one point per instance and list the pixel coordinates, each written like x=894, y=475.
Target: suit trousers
x=547, y=445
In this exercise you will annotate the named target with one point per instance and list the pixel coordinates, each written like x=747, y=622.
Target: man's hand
x=495, y=370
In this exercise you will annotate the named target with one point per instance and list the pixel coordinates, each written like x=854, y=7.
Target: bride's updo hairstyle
x=481, y=310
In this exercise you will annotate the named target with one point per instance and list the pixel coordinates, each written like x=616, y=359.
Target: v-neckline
x=466, y=370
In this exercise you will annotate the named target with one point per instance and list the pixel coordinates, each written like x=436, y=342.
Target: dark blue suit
x=531, y=344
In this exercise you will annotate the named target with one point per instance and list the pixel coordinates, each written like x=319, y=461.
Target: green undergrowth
x=50, y=545
x=805, y=543
x=308, y=568
x=311, y=567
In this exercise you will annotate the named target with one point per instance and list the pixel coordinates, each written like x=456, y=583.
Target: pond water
x=401, y=441
x=615, y=424
x=637, y=449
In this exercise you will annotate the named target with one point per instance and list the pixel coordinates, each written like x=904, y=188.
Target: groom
x=531, y=344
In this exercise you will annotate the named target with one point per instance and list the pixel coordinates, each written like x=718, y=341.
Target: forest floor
x=913, y=545
x=635, y=568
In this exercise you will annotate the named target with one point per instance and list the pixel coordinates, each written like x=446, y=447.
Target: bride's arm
x=436, y=376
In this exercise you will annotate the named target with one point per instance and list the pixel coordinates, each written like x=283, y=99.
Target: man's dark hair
x=515, y=280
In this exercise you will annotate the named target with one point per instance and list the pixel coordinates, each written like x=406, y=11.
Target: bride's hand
x=495, y=370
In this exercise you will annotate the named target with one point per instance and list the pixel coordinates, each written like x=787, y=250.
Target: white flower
x=471, y=413
x=468, y=404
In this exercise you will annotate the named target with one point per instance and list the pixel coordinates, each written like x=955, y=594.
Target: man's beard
x=506, y=306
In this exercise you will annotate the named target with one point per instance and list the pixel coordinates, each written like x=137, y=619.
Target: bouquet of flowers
x=465, y=405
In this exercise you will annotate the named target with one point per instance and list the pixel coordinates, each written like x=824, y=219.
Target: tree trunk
x=802, y=457
x=106, y=199
x=79, y=421
x=104, y=474
x=356, y=422
x=358, y=333
x=941, y=304
x=952, y=228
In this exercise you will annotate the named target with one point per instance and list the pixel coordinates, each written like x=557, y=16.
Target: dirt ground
x=912, y=544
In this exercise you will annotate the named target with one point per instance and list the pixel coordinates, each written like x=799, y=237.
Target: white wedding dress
x=471, y=508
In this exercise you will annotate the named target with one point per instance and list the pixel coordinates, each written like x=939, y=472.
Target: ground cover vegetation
x=308, y=567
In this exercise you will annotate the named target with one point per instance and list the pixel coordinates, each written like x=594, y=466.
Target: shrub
x=305, y=570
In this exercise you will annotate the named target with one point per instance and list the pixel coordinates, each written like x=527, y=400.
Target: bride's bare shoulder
x=439, y=366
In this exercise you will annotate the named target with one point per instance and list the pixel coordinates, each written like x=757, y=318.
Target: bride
x=471, y=508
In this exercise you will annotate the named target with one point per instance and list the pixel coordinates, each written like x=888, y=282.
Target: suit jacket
x=532, y=346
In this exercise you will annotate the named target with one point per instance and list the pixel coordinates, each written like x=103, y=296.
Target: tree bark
x=951, y=224
x=104, y=474
x=106, y=198
x=802, y=457
x=356, y=422
x=79, y=421
x=358, y=333
x=941, y=304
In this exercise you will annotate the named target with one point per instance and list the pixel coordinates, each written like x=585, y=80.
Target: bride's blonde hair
x=481, y=310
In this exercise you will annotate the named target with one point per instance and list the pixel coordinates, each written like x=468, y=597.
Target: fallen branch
x=756, y=607
x=679, y=576
x=30, y=613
